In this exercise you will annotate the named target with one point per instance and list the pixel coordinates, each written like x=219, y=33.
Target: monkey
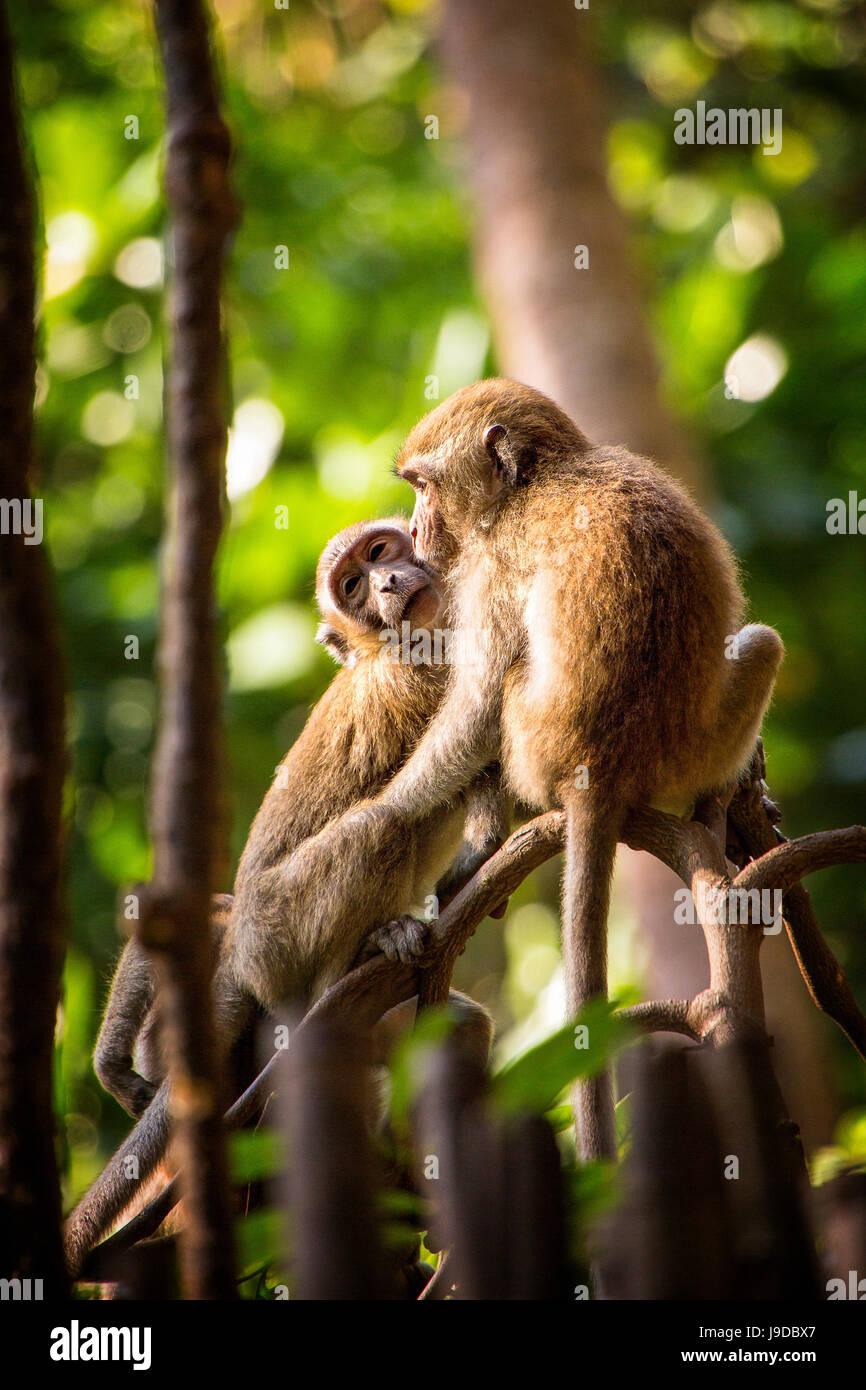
x=599, y=654
x=283, y=822
x=303, y=906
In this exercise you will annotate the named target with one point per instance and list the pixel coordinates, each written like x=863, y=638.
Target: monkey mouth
x=412, y=597
x=415, y=598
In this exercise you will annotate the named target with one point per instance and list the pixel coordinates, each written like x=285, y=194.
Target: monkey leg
x=752, y=669
x=127, y=1058
x=473, y=1026
x=471, y=1035
x=590, y=846
x=132, y=994
x=145, y=1146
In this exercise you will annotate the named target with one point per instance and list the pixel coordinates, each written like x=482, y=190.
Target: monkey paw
x=400, y=941
x=133, y=1092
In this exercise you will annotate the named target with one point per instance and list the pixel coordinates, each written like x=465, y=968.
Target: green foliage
x=408, y=1060
x=260, y=1238
x=329, y=362
x=535, y=1080
x=846, y=1154
x=255, y=1154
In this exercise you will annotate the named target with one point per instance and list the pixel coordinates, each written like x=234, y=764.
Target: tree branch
x=785, y=865
x=730, y=1007
x=752, y=819
x=186, y=812
x=32, y=760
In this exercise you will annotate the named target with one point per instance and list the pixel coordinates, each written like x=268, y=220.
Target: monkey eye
x=350, y=584
x=376, y=550
x=420, y=484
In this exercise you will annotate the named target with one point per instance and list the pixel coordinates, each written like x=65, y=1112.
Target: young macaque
x=303, y=907
x=608, y=668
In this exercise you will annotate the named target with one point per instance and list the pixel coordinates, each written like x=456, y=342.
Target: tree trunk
x=187, y=822
x=32, y=762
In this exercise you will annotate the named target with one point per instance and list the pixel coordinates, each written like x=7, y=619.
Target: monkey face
x=471, y=453
x=432, y=539
x=370, y=580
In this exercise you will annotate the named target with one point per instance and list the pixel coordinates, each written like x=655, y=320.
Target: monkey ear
x=511, y=466
x=335, y=643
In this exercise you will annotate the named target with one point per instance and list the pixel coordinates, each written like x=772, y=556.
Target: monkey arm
x=463, y=736
x=486, y=826
x=294, y=930
x=146, y=1144
x=298, y=927
x=489, y=812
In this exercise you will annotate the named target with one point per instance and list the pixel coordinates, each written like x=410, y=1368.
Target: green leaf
x=592, y=1190
x=255, y=1154
x=560, y=1118
x=534, y=1081
x=260, y=1240
x=406, y=1064
x=395, y=1202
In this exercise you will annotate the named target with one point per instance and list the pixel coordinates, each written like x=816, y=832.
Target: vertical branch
x=186, y=812
x=332, y=1181
x=32, y=759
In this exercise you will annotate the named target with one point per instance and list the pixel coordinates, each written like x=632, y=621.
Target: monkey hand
x=400, y=941
x=136, y=1094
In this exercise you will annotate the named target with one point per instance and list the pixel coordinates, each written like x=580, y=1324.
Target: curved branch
x=785, y=865
x=688, y=847
x=685, y=846
x=663, y=1016
x=373, y=988
x=753, y=820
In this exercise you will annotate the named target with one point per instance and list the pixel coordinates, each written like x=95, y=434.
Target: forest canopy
x=350, y=300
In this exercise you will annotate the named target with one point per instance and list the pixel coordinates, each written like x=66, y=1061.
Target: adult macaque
x=304, y=904
x=598, y=647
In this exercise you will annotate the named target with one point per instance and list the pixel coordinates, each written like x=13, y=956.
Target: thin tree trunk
x=187, y=820
x=536, y=130
x=536, y=147
x=32, y=763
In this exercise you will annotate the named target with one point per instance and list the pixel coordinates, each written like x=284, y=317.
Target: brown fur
x=306, y=900
x=606, y=599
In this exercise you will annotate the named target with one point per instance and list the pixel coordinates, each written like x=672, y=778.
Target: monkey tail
x=118, y=1183
x=590, y=847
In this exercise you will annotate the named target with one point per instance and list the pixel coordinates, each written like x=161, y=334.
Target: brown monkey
x=597, y=646
x=342, y=755
x=303, y=906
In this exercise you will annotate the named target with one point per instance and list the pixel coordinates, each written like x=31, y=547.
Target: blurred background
x=751, y=272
